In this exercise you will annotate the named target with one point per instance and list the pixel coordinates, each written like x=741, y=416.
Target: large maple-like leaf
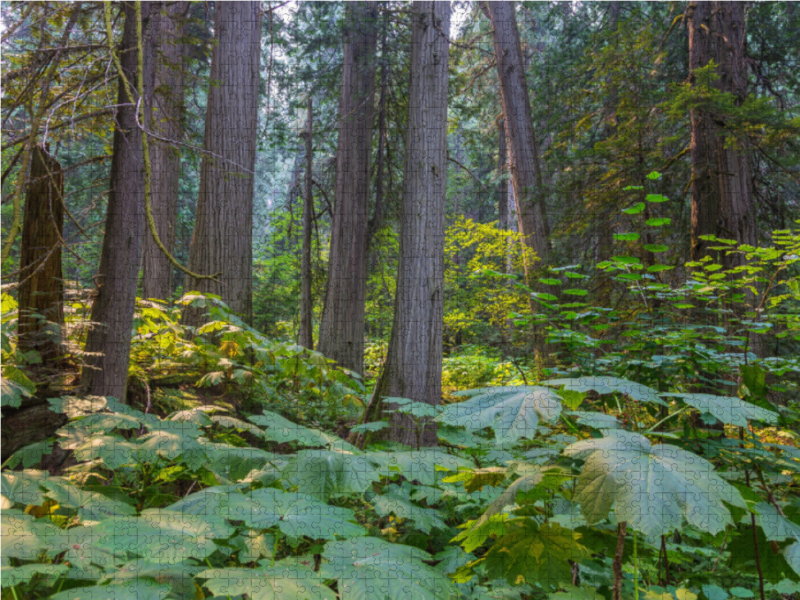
x=512, y=411
x=368, y=568
x=326, y=473
x=529, y=553
x=608, y=385
x=728, y=409
x=653, y=488
x=267, y=583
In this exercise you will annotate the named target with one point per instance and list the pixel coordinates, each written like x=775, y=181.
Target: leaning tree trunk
x=523, y=152
x=108, y=343
x=306, y=336
x=222, y=238
x=166, y=124
x=341, y=332
x=413, y=367
x=41, y=290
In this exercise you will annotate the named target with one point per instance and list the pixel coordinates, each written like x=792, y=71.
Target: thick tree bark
x=168, y=26
x=722, y=195
x=526, y=175
x=108, y=343
x=502, y=183
x=377, y=215
x=306, y=337
x=41, y=291
x=222, y=238
x=413, y=367
x=341, y=332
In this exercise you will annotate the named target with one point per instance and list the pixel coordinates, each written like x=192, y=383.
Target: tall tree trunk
x=222, y=238
x=108, y=343
x=502, y=183
x=306, y=337
x=413, y=367
x=377, y=215
x=526, y=176
x=168, y=27
x=41, y=291
x=722, y=194
x=341, y=332
x=605, y=232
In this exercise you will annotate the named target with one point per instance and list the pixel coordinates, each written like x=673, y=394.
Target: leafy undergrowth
x=522, y=499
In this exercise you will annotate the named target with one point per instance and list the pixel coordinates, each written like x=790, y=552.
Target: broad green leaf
x=24, y=573
x=635, y=209
x=369, y=568
x=477, y=532
x=657, y=198
x=529, y=553
x=655, y=248
x=411, y=407
x=626, y=237
x=171, y=446
x=162, y=536
x=91, y=506
x=23, y=486
x=417, y=465
x=232, y=462
x=267, y=583
x=653, y=488
x=728, y=409
x=658, y=222
x=179, y=576
x=296, y=514
x=659, y=268
x=136, y=589
x=326, y=473
x=424, y=519
x=777, y=528
x=113, y=450
x=12, y=393
x=30, y=455
x=233, y=423
x=596, y=420
x=609, y=385
x=282, y=430
x=452, y=558
x=513, y=411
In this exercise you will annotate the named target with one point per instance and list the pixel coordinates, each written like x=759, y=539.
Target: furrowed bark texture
x=341, y=334
x=722, y=194
x=222, y=237
x=109, y=339
x=41, y=293
x=523, y=152
x=168, y=26
x=413, y=366
x=306, y=336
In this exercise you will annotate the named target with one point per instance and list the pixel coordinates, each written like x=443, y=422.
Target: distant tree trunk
x=222, y=238
x=722, y=195
x=168, y=27
x=41, y=292
x=413, y=367
x=341, y=332
x=502, y=183
x=109, y=338
x=377, y=215
x=526, y=176
x=306, y=337
x=605, y=234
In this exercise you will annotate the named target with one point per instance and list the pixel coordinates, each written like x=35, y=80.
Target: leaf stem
x=668, y=417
